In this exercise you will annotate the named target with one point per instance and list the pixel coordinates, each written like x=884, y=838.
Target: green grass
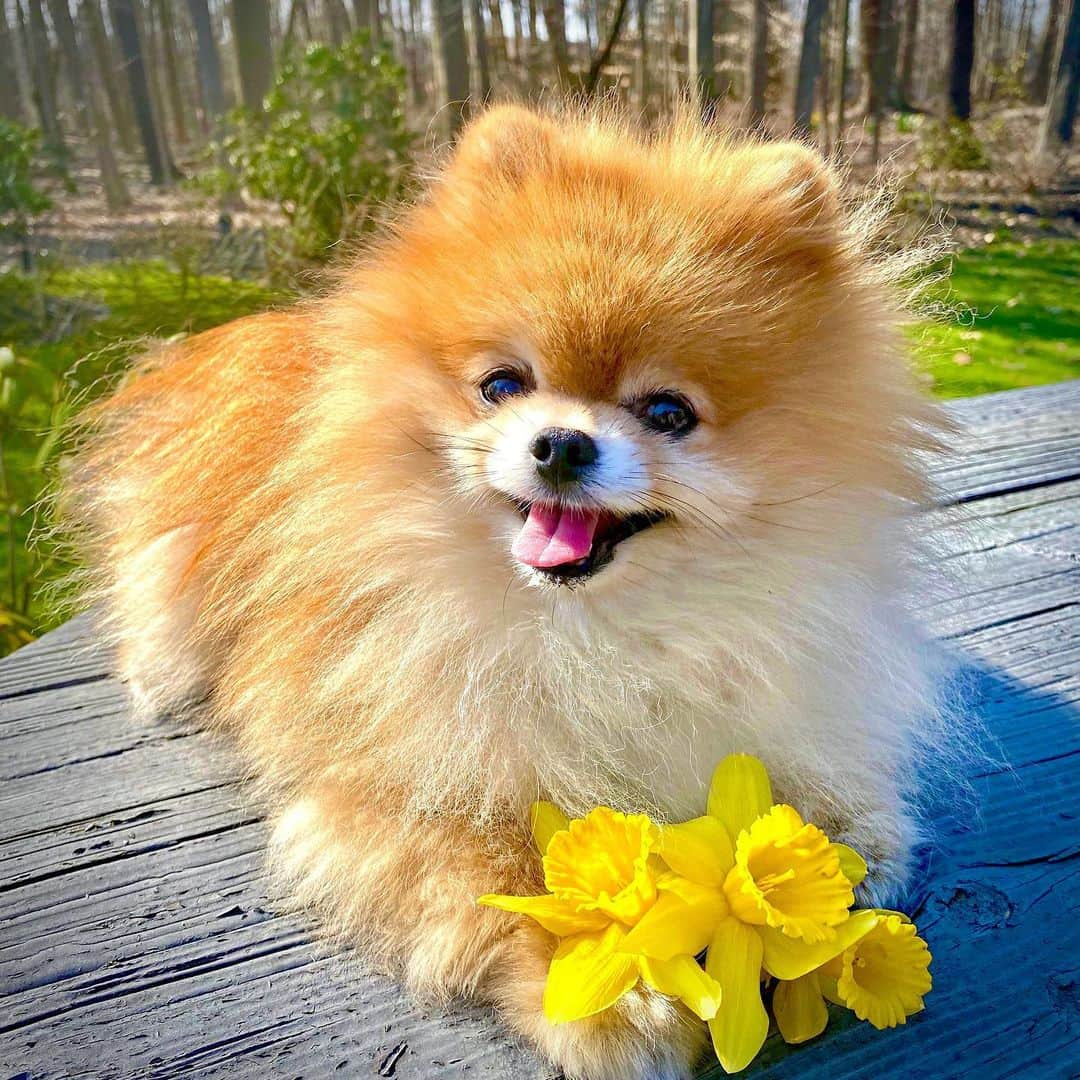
x=68, y=330
x=1015, y=321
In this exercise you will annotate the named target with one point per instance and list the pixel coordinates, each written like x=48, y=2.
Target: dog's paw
x=644, y=1036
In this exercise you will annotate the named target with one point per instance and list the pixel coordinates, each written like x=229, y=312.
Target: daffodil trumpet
x=603, y=876
x=768, y=895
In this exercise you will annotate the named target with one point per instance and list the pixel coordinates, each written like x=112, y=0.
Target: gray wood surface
x=137, y=938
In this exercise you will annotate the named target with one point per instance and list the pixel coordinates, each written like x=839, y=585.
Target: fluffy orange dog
x=592, y=471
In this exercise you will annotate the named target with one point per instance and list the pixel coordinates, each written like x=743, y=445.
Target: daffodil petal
x=682, y=920
x=852, y=864
x=684, y=978
x=740, y=792
x=800, y=1009
x=829, y=989
x=546, y=820
x=741, y=1023
x=587, y=975
x=700, y=850
x=553, y=913
x=789, y=958
x=886, y=973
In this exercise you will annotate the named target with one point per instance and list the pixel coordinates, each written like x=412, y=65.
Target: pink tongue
x=553, y=535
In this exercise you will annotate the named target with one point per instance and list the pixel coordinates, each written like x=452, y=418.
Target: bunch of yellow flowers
x=768, y=895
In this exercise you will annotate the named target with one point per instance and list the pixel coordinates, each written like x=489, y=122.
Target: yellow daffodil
x=603, y=878
x=778, y=890
x=883, y=978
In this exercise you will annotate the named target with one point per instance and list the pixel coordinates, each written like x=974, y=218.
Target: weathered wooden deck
x=136, y=938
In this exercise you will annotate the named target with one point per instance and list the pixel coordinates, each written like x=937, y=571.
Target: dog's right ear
x=503, y=146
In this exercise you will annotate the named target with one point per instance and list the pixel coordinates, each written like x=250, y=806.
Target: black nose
x=562, y=455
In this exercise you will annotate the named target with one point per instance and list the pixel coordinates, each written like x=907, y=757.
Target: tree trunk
x=879, y=63
x=500, y=57
x=122, y=15
x=809, y=65
x=254, y=52
x=759, y=61
x=11, y=105
x=208, y=63
x=145, y=21
x=962, y=60
x=172, y=69
x=555, y=21
x=91, y=114
x=702, y=64
x=366, y=15
x=482, y=68
x=906, y=88
x=338, y=20
x=641, y=11
x=118, y=96
x=1060, y=117
x=41, y=69
x=842, y=72
x=599, y=61
x=1040, y=82
x=451, y=64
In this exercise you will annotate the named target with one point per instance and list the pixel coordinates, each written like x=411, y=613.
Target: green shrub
x=21, y=199
x=951, y=145
x=67, y=330
x=330, y=146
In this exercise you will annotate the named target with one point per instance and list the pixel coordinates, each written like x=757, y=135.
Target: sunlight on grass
x=1016, y=322
x=68, y=330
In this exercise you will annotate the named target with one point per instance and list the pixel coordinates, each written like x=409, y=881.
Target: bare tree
x=88, y=103
x=961, y=60
x=642, y=68
x=118, y=96
x=555, y=21
x=599, y=61
x=702, y=71
x=879, y=61
x=366, y=16
x=1060, y=116
x=451, y=64
x=809, y=64
x=481, y=66
x=167, y=37
x=122, y=16
x=1044, y=63
x=36, y=36
x=759, y=60
x=208, y=62
x=842, y=70
x=11, y=105
x=254, y=52
x=908, y=47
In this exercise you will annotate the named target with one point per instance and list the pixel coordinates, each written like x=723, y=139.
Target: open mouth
x=566, y=543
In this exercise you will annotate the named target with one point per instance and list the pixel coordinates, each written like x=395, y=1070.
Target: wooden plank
x=137, y=937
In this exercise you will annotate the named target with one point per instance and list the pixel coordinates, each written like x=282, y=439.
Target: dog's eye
x=667, y=412
x=500, y=385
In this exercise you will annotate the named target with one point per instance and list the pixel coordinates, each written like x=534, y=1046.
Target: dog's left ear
x=783, y=194
x=503, y=146
x=803, y=189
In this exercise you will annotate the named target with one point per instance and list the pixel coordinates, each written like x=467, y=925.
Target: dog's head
x=627, y=357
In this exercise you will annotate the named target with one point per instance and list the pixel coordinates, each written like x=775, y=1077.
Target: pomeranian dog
x=595, y=467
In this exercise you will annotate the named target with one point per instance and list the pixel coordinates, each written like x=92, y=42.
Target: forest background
x=168, y=165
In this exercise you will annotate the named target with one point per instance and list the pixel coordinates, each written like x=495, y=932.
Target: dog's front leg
x=407, y=894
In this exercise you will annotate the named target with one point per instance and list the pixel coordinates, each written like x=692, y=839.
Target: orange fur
x=300, y=515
